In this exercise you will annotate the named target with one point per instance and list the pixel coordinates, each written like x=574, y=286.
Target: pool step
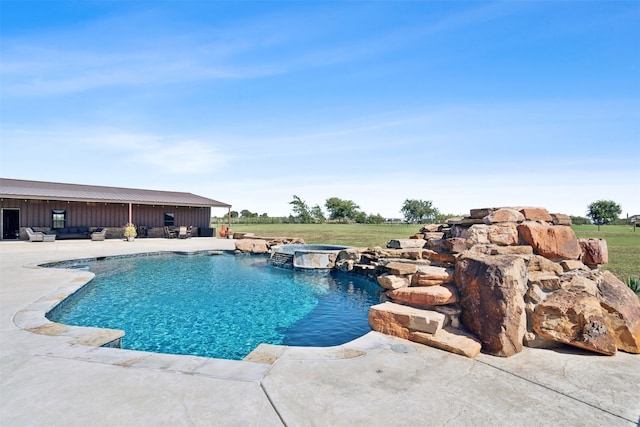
x=280, y=259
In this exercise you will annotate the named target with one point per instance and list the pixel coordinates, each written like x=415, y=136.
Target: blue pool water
x=218, y=306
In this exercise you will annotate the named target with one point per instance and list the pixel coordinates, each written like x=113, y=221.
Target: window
x=169, y=219
x=58, y=218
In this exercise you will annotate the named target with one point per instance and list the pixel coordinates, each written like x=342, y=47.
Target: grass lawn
x=624, y=247
x=622, y=241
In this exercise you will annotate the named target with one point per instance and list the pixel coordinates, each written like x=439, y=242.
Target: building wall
x=37, y=213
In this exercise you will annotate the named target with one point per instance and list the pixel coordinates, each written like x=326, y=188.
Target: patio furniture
x=169, y=234
x=182, y=233
x=49, y=238
x=34, y=236
x=99, y=234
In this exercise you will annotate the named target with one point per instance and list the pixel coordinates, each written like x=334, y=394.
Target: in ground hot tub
x=305, y=256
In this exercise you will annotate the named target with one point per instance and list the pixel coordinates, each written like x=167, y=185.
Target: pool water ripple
x=218, y=306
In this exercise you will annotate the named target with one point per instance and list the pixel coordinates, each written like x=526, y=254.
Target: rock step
x=422, y=326
x=398, y=320
x=450, y=339
x=425, y=296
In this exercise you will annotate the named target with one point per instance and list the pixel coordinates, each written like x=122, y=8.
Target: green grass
x=361, y=235
x=623, y=243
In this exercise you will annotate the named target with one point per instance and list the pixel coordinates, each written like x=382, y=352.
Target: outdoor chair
x=34, y=236
x=182, y=234
x=169, y=234
x=99, y=234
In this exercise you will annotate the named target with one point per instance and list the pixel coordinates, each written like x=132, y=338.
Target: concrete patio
x=376, y=380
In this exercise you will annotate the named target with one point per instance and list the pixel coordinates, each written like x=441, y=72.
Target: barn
x=75, y=210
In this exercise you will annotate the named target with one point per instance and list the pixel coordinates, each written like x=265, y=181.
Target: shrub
x=634, y=284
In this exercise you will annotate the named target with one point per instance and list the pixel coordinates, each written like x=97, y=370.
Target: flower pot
x=130, y=239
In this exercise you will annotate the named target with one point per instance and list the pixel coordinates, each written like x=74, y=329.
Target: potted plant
x=130, y=232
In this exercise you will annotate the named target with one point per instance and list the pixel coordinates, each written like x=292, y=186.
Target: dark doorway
x=10, y=224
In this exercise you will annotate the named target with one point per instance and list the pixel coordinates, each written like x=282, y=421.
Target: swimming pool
x=218, y=306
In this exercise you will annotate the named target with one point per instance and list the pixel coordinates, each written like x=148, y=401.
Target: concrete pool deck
x=375, y=381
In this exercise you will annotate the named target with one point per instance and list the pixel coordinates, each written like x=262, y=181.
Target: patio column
x=130, y=222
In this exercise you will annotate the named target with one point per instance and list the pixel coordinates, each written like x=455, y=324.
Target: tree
x=339, y=209
x=419, y=211
x=301, y=210
x=317, y=214
x=603, y=212
x=375, y=219
x=245, y=213
x=233, y=214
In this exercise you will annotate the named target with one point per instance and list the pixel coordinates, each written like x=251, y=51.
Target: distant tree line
x=414, y=211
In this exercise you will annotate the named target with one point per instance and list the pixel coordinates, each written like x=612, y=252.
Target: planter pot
x=130, y=239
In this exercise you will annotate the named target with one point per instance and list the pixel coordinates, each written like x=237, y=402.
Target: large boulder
x=594, y=251
x=400, y=268
x=425, y=296
x=395, y=319
x=560, y=219
x=555, y=242
x=622, y=307
x=505, y=234
x=391, y=281
x=491, y=291
x=575, y=318
x=449, y=339
x=254, y=246
x=406, y=243
x=503, y=215
x=428, y=275
x=536, y=214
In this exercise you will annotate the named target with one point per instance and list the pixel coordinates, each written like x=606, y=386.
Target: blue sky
x=467, y=104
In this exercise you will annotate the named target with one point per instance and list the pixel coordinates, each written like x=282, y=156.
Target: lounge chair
x=99, y=234
x=182, y=234
x=34, y=236
x=168, y=234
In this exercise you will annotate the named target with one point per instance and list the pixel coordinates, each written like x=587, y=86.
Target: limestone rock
x=492, y=249
x=456, y=244
x=491, y=297
x=540, y=263
x=555, y=242
x=396, y=319
x=579, y=283
x=503, y=215
x=400, y=268
x=255, y=246
x=536, y=214
x=478, y=233
x=425, y=296
x=390, y=281
x=594, y=251
x=534, y=294
x=547, y=281
x=429, y=228
x=428, y=275
x=577, y=319
x=434, y=235
x=450, y=339
x=443, y=259
x=480, y=213
x=406, y=243
x=560, y=219
x=505, y=234
x=572, y=265
x=623, y=310
x=452, y=314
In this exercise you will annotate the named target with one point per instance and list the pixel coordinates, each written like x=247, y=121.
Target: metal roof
x=21, y=189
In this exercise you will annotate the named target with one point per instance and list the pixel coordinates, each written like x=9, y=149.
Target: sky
x=466, y=104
